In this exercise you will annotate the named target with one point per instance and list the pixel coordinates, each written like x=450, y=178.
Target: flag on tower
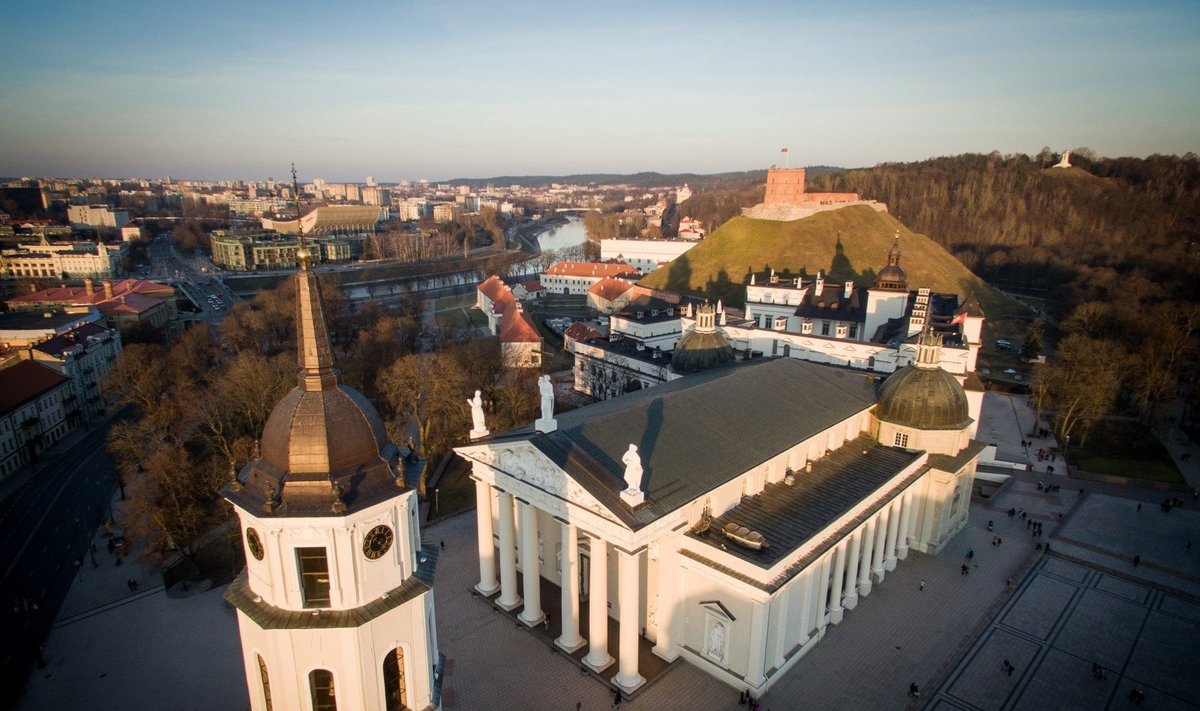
x=961, y=318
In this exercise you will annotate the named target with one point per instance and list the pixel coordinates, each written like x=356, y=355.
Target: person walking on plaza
x=921, y=588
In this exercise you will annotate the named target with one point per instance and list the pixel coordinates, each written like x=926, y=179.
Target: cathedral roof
x=922, y=395
x=690, y=445
x=324, y=448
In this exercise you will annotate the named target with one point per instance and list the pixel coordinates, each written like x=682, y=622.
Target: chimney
x=89, y=287
x=820, y=284
x=849, y=289
x=108, y=289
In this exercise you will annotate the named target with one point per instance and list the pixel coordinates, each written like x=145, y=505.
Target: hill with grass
x=850, y=243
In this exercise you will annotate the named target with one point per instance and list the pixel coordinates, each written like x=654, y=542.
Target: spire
x=894, y=252
x=312, y=338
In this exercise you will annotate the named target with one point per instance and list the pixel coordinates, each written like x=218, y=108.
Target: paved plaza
x=1051, y=615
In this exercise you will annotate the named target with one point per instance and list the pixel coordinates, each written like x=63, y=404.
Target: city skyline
x=474, y=90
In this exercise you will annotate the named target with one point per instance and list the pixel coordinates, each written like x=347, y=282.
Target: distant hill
x=850, y=243
x=646, y=179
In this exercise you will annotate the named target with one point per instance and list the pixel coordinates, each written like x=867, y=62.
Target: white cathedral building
x=727, y=517
x=335, y=607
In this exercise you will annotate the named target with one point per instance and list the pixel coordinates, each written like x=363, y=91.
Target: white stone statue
x=633, y=468
x=716, y=641
x=478, y=426
x=546, y=388
x=477, y=411
x=1065, y=161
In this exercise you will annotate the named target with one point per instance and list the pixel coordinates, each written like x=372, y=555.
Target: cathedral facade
x=727, y=517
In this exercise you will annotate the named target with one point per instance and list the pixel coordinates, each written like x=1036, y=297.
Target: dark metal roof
x=833, y=304
x=788, y=516
x=700, y=350
x=924, y=398
x=699, y=432
x=269, y=617
x=24, y=381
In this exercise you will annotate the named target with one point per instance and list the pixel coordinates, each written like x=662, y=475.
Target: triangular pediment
x=521, y=462
x=718, y=608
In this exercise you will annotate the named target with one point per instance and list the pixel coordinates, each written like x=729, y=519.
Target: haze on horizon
x=474, y=89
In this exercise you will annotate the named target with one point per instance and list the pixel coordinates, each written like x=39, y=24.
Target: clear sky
x=437, y=90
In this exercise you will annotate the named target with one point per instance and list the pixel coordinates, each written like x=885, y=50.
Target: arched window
x=320, y=683
x=394, y=689
x=266, y=681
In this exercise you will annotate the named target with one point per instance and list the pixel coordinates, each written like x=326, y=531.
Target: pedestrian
x=1139, y=508
x=1008, y=583
x=966, y=569
x=999, y=540
x=1137, y=560
x=914, y=691
x=741, y=698
x=617, y=697
x=921, y=587
x=443, y=545
x=129, y=584
x=578, y=705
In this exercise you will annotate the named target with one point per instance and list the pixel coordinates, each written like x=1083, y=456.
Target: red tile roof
x=580, y=331
x=517, y=328
x=130, y=296
x=609, y=288
x=24, y=381
x=77, y=336
x=593, y=269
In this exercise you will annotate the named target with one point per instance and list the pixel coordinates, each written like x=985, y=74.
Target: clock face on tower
x=377, y=542
x=254, y=544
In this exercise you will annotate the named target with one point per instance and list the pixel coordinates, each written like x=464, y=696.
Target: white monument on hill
x=1064, y=162
x=335, y=606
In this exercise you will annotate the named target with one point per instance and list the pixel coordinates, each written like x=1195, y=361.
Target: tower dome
x=922, y=395
x=703, y=346
x=324, y=447
x=893, y=276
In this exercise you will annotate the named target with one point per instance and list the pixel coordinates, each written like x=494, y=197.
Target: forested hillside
x=1106, y=228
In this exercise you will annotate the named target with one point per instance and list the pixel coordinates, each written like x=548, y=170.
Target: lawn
x=1124, y=448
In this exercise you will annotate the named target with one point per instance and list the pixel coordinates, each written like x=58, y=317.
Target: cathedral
x=335, y=607
x=727, y=517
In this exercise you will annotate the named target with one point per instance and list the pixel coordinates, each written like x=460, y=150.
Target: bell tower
x=335, y=607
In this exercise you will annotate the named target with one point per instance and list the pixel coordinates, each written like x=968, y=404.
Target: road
x=45, y=528
x=195, y=277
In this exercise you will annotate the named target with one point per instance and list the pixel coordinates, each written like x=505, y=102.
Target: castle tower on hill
x=785, y=186
x=335, y=606
x=786, y=198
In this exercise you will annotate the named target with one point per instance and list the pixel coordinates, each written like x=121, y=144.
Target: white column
x=570, y=639
x=905, y=521
x=758, y=642
x=668, y=618
x=530, y=568
x=822, y=591
x=864, y=565
x=509, y=599
x=839, y=569
x=487, y=547
x=598, y=657
x=852, y=563
x=630, y=587
x=889, y=558
x=779, y=620
x=877, y=551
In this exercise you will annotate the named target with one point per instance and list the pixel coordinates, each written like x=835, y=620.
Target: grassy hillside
x=850, y=243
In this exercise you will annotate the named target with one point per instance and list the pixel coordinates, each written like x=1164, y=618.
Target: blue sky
x=475, y=89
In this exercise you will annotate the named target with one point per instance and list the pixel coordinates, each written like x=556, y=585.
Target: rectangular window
x=824, y=328
x=314, y=576
x=901, y=439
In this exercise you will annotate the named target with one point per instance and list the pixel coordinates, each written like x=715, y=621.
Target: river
x=572, y=234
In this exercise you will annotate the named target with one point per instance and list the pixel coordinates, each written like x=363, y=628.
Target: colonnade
x=628, y=590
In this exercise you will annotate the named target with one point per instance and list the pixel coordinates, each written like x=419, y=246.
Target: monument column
x=905, y=521
x=852, y=563
x=570, y=639
x=630, y=586
x=864, y=566
x=487, y=547
x=509, y=599
x=835, y=589
x=530, y=568
x=889, y=560
x=598, y=657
